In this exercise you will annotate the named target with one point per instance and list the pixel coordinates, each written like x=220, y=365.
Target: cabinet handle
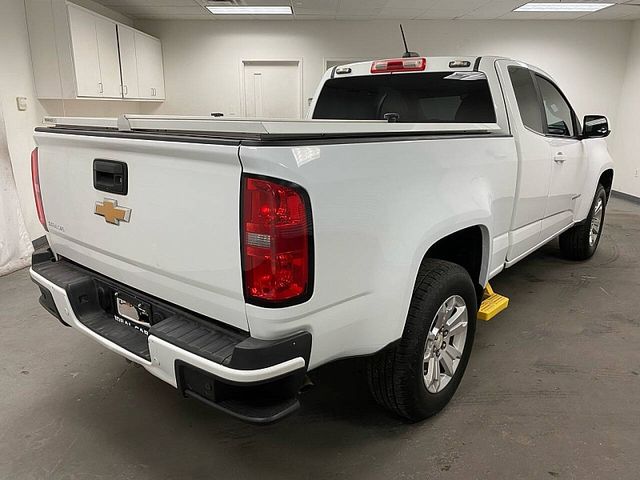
x=126, y=90
x=153, y=91
x=101, y=87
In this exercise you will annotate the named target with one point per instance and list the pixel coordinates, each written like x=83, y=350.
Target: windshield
x=438, y=97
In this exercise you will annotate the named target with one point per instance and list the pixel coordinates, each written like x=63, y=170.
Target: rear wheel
x=581, y=241
x=418, y=376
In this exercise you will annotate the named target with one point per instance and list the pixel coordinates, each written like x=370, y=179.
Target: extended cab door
x=566, y=152
x=534, y=169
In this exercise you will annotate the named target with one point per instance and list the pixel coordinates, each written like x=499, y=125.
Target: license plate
x=132, y=312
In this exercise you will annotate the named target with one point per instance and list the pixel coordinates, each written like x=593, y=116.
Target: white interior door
x=128, y=62
x=272, y=89
x=85, y=52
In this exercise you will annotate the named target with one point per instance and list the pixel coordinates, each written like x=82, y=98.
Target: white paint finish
x=163, y=250
x=272, y=88
x=369, y=229
x=551, y=225
x=128, y=62
x=164, y=354
x=373, y=221
x=568, y=172
x=534, y=173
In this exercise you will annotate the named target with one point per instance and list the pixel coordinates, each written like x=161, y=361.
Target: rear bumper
x=255, y=380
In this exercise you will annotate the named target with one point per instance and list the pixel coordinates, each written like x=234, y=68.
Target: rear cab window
x=527, y=98
x=433, y=97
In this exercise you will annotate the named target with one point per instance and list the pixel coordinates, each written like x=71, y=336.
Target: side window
x=527, y=98
x=557, y=110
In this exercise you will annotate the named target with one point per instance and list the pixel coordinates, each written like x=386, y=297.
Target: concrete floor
x=552, y=391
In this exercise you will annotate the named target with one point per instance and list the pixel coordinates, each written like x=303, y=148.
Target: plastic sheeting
x=15, y=245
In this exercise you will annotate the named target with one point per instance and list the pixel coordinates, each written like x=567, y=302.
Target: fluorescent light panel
x=562, y=7
x=251, y=10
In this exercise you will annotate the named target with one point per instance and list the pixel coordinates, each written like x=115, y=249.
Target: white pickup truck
x=231, y=257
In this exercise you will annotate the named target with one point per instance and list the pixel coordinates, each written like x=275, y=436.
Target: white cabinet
x=94, y=44
x=85, y=53
x=128, y=62
x=77, y=53
x=109, y=58
x=150, y=71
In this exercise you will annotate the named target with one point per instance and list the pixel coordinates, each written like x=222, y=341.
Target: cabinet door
x=85, y=53
x=128, y=62
x=108, y=58
x=150, y=71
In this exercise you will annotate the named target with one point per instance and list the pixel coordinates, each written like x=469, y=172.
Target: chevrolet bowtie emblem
x=111, y=212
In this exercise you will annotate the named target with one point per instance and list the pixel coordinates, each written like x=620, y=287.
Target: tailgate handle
x=110, y=176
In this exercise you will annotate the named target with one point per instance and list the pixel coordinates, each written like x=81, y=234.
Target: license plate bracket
x=132, y=311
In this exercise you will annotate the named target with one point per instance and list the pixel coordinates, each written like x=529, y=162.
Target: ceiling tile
x=315, y=7
x=400, y=13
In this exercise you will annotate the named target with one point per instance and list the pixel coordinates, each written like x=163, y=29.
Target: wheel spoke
x=447, y=363
x=453, y=352
x=598, y=208
x=457, y=320
x=433, y=372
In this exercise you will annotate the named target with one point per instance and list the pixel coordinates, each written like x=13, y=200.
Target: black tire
x=575, y=243
x=396, y=375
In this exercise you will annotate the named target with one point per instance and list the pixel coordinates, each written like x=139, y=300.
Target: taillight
x=277, y=242
x=412, y=64
x=37, y=194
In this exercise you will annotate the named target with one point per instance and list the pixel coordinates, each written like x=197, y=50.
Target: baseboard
x=625, y=196
x=40, y=242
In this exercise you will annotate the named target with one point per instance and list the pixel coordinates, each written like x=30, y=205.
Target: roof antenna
x=407, y=53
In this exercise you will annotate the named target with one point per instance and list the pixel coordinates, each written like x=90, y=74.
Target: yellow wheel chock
x=492, y=304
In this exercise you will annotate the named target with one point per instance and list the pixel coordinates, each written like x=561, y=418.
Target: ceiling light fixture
x=562, y=7
x=251, y=10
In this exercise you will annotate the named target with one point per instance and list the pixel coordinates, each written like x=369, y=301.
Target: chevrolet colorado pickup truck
x=231, y=257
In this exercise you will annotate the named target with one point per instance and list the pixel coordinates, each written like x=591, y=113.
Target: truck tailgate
x=181, y=241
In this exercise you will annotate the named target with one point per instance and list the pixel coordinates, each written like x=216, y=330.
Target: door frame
x=243, y=96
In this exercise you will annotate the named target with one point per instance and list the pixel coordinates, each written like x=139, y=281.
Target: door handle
x=559, y=157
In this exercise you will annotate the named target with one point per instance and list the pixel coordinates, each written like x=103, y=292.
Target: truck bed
x=261, y=130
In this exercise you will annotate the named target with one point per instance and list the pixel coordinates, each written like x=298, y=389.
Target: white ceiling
x=372, y=10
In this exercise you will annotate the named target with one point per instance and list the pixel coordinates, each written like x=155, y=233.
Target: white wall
x=626, y=140
x=16, y=79
x=202, y=58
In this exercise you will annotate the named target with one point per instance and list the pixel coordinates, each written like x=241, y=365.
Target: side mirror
x=595, y=126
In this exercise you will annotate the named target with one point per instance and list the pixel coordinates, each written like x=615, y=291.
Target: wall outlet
x=22, y=103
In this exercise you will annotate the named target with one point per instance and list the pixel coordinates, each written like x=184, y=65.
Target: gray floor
x=552, y=391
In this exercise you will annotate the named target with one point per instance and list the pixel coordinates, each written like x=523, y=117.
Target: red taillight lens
x=37, y=195
x=277, y=242
x=412, y=64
